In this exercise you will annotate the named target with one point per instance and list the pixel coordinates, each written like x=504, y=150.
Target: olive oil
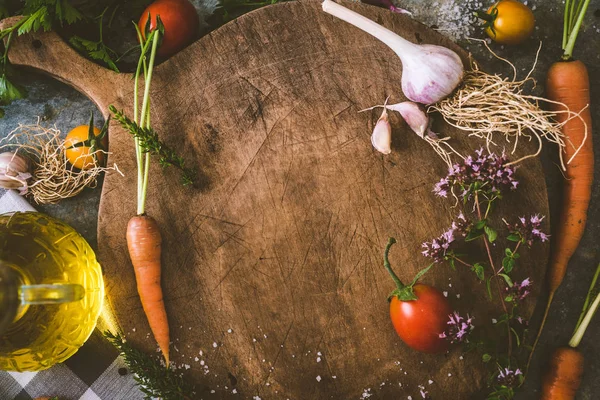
x=44, y=251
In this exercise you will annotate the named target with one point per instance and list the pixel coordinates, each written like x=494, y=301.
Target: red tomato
x=180, y=20
x=420, y=322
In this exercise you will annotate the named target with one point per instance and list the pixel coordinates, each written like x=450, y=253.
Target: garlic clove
x=414, y=115
x=14, y=172
x=381, y=138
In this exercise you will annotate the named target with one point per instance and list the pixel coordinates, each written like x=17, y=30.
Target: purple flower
x=508, y=377
x=520, y=290
x=438, y=247
x=487, y=172
x=461, y=225
x=522, y=321
x=423, y=392
x=458, y=328
x=528, y=229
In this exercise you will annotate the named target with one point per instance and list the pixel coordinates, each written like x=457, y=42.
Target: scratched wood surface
x=273, y=273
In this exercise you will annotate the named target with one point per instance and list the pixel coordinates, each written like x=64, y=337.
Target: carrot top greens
x=574, y=14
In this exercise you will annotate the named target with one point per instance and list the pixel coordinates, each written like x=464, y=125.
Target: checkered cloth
x=95, y=372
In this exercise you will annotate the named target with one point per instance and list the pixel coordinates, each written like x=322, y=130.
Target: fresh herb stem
x=491, y=259
x=588, y=298
x=572, y=24
x=589, y=314
x=463, y=262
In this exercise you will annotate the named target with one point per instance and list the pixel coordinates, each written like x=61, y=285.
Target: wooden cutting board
x=273, y=274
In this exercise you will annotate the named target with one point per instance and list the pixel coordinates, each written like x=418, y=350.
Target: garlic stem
x=391, y=39
x=429, y=72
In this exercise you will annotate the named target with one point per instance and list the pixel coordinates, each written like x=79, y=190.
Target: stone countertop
x=64, y=107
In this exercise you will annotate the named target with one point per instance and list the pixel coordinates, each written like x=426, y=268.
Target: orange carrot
x=568, y=83
x=564, y=375
x=568, y=86
x=144, y=244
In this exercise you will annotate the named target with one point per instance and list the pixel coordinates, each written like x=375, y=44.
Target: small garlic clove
x=382, y=134
x=414, y=115
x=14, y=172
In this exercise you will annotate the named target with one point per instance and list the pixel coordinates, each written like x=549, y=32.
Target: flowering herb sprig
x=478, y=183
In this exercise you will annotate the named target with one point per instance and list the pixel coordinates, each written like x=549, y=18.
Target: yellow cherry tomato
x=84, y=147
x=508, y=22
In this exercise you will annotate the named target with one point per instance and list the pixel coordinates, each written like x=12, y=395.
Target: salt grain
x=215, y=344
x=318, y=359
x=234, y=391
x=318, y=378
x=229, y=330
x=445, y=294
x=430, y=381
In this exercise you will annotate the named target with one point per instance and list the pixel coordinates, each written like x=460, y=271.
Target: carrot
x=568, y=86
x=566, y=365
x=568, y=83
x=144, y=245
x=564, y=375
x=143, y=234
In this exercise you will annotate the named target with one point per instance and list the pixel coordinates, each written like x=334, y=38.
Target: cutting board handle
x=48, y=53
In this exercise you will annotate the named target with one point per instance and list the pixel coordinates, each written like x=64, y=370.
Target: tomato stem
x=487, y=17
x=388, y=267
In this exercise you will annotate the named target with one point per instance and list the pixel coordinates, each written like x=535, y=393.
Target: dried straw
x=54, y=178
x=490, y=106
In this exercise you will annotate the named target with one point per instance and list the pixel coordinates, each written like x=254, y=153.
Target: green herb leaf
x=480, y=224
x=509, y=281
x=66, y=12
x=8, y=91
x=452, y=263
x=95, y=50
x=508, y=263
x=513, y=237
x=41, y=18
x=491, y=233
x=473, y=234
x=486, y=358
x=488, y=283
x=479, y=271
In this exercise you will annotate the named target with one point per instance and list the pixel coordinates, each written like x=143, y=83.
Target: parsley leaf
x=96, y=50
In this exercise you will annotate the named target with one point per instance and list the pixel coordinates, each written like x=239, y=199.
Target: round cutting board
x=272, y=265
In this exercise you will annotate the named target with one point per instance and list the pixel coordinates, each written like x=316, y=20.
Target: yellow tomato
x=86, y=154
x=508, y=22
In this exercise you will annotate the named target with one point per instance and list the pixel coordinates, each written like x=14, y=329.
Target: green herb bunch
x=479, y=183
x=154, y=379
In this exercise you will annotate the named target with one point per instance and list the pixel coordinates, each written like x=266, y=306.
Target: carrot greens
x=574, y=13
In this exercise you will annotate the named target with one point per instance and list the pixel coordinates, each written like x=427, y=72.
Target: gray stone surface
x=62, y=106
